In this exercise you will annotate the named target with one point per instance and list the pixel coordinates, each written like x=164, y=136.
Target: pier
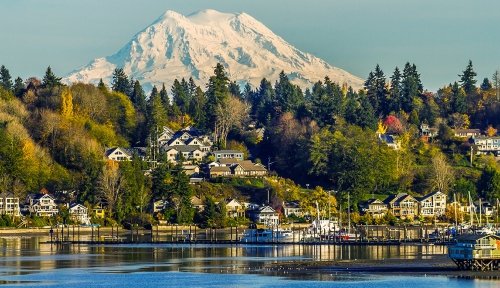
x=479, y=252
x=173, y=234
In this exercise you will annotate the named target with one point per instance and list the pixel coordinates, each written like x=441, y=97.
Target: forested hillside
x=53, y=137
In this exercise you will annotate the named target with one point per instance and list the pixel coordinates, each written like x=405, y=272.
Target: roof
x=196, y=201
x=474, y=237
x=227, y=151
x=397, y=198
x=184, y=148
x=110, y=151
x=220, y=169
x=74, y=205
x=374, y=201
x=468, y=131
x=430, y=195
x=7, y=195
x=249, y=166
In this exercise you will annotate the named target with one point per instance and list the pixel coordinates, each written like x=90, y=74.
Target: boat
x=269, y=235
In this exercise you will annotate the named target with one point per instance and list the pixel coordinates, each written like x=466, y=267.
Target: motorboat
x=269, y=235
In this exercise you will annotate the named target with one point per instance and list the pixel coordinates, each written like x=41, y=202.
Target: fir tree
x=486, y=85
x=234, y=89
x=138, y=97
x=164, y=96
x=50, y=80
x=120, y=82
x=411, y=87
x=217, y=92
x=395, y=90
x=101, y=85
x=18, y=87
x=5, y=78
x=467, y=79
x=459, y=99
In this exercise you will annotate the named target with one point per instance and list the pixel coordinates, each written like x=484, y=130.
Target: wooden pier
x=476, y=252
x=365, y=235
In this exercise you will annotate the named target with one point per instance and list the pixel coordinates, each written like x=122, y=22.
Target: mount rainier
x=177, y=46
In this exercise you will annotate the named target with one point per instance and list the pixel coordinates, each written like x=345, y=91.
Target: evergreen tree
x=164, y=96
x=486, y=85
x=5, y=78
x=180, y=95
x=467, y=79
x=459, y=100
x=120, y=82
x=196, y=107
x=376, y=90
x=50, y=80
x=263, y=102
x=101, y=85
x=217, y=92
x=234, y=89
x=247, y=93
x=288, y=99
x=138, y=97
x=18, y=87
x=395, y=91
x=411, y=87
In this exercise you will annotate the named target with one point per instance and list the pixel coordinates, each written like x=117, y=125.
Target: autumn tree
x=110, y=185
x=231, y=113
x=441, y=173
x=66, y=103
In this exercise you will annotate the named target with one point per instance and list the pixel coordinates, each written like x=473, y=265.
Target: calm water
x=26, y=262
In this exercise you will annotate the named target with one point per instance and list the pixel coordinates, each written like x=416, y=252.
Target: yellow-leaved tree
x=66, y=103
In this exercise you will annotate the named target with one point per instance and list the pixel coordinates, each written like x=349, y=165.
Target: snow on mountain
x=177, y=46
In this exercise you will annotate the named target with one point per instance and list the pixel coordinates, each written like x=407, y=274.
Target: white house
x=118, y=154
x=42, y=205
x=292, y=208
x=9, y=205
x=79, y=213
x=433, y=204
x=264, y=215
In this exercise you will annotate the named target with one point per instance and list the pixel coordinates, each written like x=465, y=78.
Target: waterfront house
x=478, y=252
x=235, y=209
x=222, y=154
x=374, y=207
x=432, y=204
x=264, y=215
x=9, y=204
x=402, y=205
x=42, y=205
x=159, y=205
x=99, y=211
x=79, y=214
x=118, y=154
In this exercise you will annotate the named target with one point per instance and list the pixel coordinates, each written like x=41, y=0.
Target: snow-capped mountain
x=177, y=46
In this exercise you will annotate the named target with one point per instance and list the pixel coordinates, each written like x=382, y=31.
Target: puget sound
x=33, y=261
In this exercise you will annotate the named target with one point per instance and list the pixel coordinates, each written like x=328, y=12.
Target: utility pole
x=269, y=164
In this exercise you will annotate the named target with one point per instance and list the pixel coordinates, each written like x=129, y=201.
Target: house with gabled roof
x=235, y=209
x=248, y=169
x=219, y=171
x=432, y=204
x=79, y=213
x=42, y=205
x=402, y=205
x=118, y=154
x=374, y=207
x=264, y=215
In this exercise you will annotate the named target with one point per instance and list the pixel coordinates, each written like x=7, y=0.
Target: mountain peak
x=177, y=46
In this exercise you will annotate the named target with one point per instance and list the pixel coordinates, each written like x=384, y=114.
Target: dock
x=476, y=252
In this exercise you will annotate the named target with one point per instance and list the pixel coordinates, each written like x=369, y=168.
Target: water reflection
x=25, y=254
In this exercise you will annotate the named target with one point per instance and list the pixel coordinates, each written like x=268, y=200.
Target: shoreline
x=437, y=265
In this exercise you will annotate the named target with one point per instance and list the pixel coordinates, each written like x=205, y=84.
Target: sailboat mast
x=471, y=213
x=455, y=203
x=348, y=213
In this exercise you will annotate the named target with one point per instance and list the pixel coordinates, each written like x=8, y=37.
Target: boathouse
x=478, y=252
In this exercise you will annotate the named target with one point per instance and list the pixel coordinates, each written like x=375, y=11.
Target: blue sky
x=438, y=36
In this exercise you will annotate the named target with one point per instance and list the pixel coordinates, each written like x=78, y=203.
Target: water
x=28, y=263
